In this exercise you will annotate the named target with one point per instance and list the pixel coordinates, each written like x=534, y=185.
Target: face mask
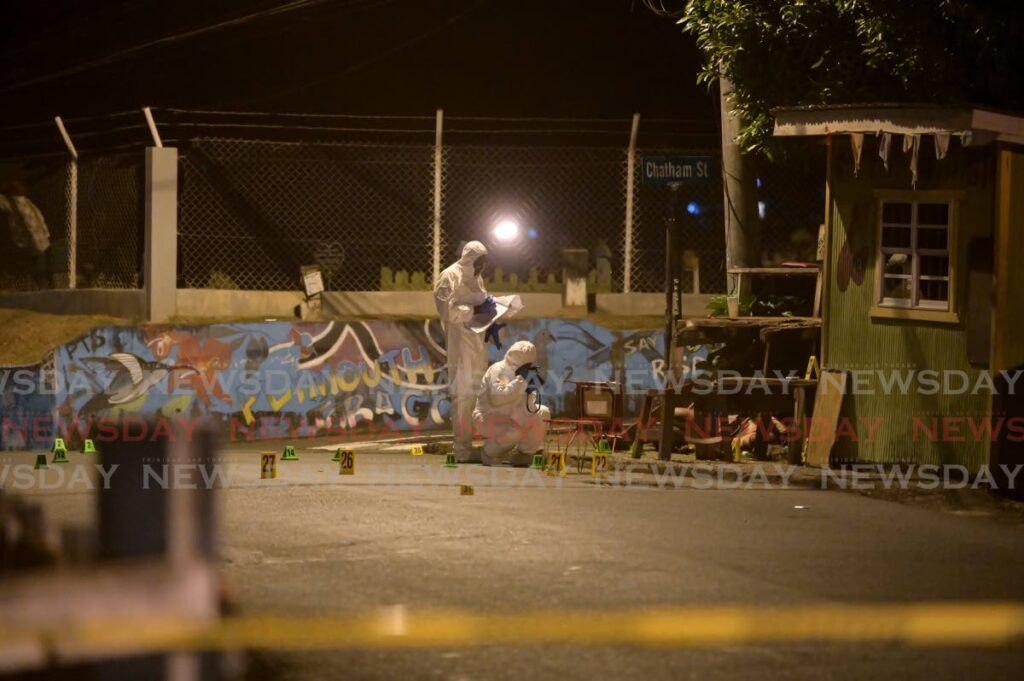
x=479, y=265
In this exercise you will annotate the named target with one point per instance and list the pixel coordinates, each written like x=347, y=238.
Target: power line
x=292, y=6
x=210, y=112
x=437, y=28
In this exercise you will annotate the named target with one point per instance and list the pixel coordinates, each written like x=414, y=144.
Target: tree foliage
x=798, y=52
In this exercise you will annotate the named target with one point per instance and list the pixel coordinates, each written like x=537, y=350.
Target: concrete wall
x=211, y=303
x=260, y=305
x=215, y=303
x=285, y=379
x=646, y=304
x=126, y=303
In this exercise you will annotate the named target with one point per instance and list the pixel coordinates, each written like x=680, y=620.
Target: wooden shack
x=923, y=301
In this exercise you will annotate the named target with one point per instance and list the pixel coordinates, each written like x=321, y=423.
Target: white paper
x=505, y=307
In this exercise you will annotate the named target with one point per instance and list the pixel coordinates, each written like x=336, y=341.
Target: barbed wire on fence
x=359, y=201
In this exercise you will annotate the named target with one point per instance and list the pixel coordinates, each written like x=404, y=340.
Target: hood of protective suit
x=521, y=352
x=472, y=252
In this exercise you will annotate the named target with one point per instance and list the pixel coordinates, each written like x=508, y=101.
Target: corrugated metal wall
x=904, y=427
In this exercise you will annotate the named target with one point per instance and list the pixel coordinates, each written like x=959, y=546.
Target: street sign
x=664, y=170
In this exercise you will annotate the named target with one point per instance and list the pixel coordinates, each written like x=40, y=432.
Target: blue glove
x=486, y=307
x=492, y=334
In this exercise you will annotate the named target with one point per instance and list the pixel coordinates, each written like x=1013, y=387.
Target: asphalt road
x=400, y=533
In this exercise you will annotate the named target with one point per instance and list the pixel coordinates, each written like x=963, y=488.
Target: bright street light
x=506, y=231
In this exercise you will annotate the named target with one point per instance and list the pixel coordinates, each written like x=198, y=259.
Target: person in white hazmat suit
x=512, y=422
x=459, y=294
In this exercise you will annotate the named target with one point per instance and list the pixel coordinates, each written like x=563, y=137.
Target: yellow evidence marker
x=416, y=450
x=466, y=490
x=268, y=466
x=346, y=462
x=555, y=464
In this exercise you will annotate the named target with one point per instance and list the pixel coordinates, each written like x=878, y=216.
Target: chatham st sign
x=665, y=170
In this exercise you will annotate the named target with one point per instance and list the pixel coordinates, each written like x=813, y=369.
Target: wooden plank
x=742, y=322
x=978, y=309
x=776, y=271
x=795, y=449
x=827, y=405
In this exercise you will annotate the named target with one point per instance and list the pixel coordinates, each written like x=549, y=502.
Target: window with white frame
x=915, y=241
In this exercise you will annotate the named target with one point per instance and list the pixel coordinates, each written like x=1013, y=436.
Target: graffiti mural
x=280, y=379
x=27, y=403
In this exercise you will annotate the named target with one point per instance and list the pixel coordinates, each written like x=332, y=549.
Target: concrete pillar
x=161, y=268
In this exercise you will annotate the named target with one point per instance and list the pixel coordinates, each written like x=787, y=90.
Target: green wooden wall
x=885, y=424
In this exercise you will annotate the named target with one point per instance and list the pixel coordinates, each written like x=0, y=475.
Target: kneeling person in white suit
x=513, y=424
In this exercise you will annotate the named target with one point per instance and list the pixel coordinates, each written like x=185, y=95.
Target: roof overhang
x=975, y=126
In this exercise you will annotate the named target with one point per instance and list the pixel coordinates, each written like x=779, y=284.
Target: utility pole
x=742, y=226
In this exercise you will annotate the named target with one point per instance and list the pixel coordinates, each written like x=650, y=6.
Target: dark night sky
x=564, y=58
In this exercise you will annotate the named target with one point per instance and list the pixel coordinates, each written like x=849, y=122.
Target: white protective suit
x=456, y=292
x=512, y=424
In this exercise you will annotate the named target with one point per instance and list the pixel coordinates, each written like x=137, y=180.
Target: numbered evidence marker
x=60, y=451
x=416, y=450
x=346, y=462
x=555, y=464
x=268, y=466
x=466, y=490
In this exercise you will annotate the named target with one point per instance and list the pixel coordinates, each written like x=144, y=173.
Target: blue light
x=693, y=208
x=532, y=232
x=759, y=183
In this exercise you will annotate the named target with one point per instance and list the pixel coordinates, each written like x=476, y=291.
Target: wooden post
x=149, y=511
x=627, y=264
x=825, y=271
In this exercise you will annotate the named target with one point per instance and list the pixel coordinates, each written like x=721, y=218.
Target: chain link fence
x=251, y=213
x=791, y=203
x=561, y=197
x=45, y=182
x=703, y=234
x=111, y=221
x=92, y=206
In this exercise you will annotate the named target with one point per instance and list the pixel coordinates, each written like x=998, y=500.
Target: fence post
x=161, y=232
x=627, y=266
x=438, y=129
x=70, y=204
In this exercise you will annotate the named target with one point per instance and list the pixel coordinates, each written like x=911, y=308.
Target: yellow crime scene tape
x=992, y=624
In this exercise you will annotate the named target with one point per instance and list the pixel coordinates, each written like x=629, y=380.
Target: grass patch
x=26, y=336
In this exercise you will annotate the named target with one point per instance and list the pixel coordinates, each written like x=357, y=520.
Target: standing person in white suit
x=459, y=294
x=512, y=422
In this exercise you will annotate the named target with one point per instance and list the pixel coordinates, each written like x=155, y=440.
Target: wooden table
x=785, y=395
